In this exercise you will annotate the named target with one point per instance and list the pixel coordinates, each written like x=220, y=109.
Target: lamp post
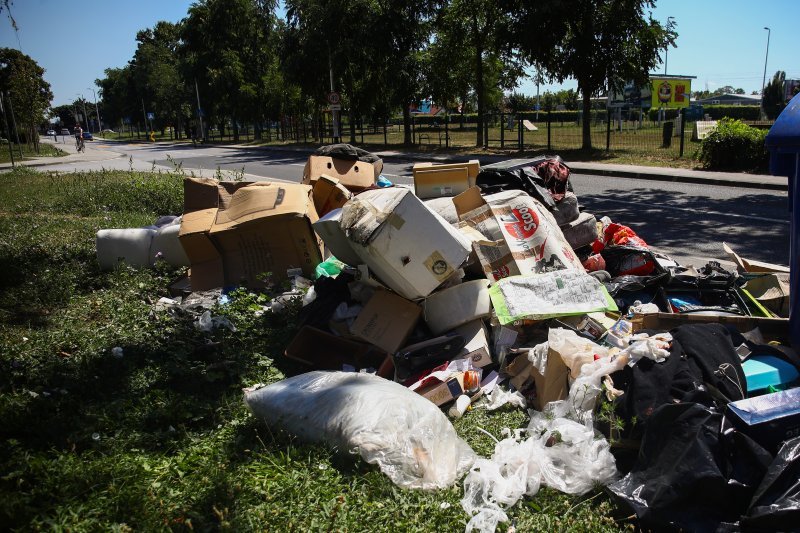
x=764, y=79
x=96, y=109
x=666, y=48
x=85, y=116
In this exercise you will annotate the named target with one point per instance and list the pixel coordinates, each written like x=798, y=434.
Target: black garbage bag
x=348, y=152
x=521, y=174
x=689, y=475
x=776, y=503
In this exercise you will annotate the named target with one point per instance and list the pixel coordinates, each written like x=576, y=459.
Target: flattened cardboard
x=441, y=393
x=434, y=181
x=354, y=175
x=405, y=244
x=329, y=194
x=321, y=350
x=386, y=321
x=773, y=329
x=745, y=265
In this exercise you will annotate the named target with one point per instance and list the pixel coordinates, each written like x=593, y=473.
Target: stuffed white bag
x=405, y=434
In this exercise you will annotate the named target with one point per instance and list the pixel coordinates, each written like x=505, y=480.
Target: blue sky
x=722, y=42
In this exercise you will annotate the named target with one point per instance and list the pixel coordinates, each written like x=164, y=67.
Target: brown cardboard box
x=386, y=321
x=249, y=229
x=321, y=350
x=329, y=194
x=354, y=175
x=433, y=181
x=551, y=386
x=476, y=345
x=772, y=291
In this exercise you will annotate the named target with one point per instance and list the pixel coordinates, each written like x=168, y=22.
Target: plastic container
x=764, y=371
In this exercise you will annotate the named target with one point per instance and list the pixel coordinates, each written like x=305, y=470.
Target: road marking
x=692, y=210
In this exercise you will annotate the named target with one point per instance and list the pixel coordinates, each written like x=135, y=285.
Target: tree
x=22, y=82
x=600, y=43
x=773, y=102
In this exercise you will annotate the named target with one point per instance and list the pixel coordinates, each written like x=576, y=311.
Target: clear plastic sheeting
x=558, y=453
x=499, y=397
x=405, y=434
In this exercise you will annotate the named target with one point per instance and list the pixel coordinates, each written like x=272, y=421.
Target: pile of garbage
x=483, y=287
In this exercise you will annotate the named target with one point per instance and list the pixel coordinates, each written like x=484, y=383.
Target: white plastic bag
x=574, y=350
x=405, y=434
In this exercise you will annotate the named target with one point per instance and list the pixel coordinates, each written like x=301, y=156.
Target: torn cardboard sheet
x=433, y=181
x=746, y=265
x=548, y=295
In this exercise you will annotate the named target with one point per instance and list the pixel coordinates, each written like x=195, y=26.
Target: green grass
x=28, y=152
x=160, y=439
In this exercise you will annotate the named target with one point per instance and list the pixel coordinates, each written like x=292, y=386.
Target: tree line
x=248, y=65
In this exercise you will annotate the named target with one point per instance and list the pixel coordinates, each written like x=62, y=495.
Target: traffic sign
x=151, y=116
x=334, y=107
x=334, y=98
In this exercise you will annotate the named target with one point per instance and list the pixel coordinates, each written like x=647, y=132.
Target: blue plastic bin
x=783, y=142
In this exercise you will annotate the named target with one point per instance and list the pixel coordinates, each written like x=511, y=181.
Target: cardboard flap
x=198, y=221
x=263, y=199
x=468, y=200
x=200, y=193
x=355, y=175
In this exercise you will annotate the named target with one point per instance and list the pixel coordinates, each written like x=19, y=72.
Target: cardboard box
x=769, y=419
x=772, y=291
x=407, y=246
x=329, y=194
x=321, y=350
x=354, y=175
x=252, y=229
x=441, y=393
x=522, y=237
x=477, y=343
x=433, y=181
x=551, y=386
x=329, y=229
x=386, y=321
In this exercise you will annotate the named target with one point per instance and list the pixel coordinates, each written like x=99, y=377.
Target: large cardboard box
x=550, y=386
x=246, y=231
x=522, y=237
x=772, y=329
x=386, y=321
x=406, y=245
x=433, y=181
x=354, y=175
x=321, y=350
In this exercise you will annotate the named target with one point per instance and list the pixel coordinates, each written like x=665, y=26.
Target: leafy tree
x=119, y=95
x=600, y=43
x=773, y=102
x=22, y=81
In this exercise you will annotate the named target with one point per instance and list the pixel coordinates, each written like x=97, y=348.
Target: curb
x=701, y=180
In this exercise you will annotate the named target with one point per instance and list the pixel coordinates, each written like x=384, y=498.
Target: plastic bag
x=776, y=503
x=405, y=434
x=558, y=453
x=573, y=349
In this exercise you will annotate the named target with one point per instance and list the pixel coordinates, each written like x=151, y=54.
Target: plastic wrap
x=573, y=349
x=406, y=435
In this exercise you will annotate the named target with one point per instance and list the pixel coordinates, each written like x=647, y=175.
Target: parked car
x=51, y=132
x=87, y=136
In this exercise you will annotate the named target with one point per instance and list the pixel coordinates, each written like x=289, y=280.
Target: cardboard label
x=386, y=321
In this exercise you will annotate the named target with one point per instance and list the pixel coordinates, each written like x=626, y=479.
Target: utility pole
x=334, y=113
x=764, y=79
x=144, y=114
x=96, y=110
x=8, y=129
x=199, y=111
x=85, y=116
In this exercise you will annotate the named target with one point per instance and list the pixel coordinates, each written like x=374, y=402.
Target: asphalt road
x=686, y=221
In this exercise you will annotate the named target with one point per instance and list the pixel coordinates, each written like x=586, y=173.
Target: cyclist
x=78, y=131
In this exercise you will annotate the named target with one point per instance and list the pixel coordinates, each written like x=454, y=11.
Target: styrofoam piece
x=447, y=309
x=130, y=245
x=581, y=231
x=335, y=239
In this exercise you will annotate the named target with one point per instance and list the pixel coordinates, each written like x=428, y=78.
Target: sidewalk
x=728, y=179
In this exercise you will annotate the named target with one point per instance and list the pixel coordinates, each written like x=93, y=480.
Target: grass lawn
x=45, y=150
x=159, y=438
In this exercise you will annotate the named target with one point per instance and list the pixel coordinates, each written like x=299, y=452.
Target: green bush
x=734, y=145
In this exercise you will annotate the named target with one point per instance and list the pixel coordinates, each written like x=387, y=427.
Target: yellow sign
x=670, y=92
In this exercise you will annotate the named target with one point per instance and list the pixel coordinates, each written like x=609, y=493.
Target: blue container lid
x=786, y=130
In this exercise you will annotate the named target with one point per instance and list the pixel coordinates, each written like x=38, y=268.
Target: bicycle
x=79, y=144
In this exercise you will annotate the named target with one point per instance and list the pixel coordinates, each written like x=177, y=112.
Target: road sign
x=334, y=107
x=151, y=116
x=334, y=98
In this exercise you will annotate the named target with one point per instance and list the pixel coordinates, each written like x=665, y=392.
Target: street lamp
x=85, y=116
x=96, y=109
x=764, y=79
x=666, y=49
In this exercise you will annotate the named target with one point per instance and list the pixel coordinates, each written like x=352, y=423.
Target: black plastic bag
x=776, y=504
x=518, y=174
x=347, y=152
x=689, y=475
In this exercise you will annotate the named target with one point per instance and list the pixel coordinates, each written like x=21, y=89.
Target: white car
x=51, y=132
